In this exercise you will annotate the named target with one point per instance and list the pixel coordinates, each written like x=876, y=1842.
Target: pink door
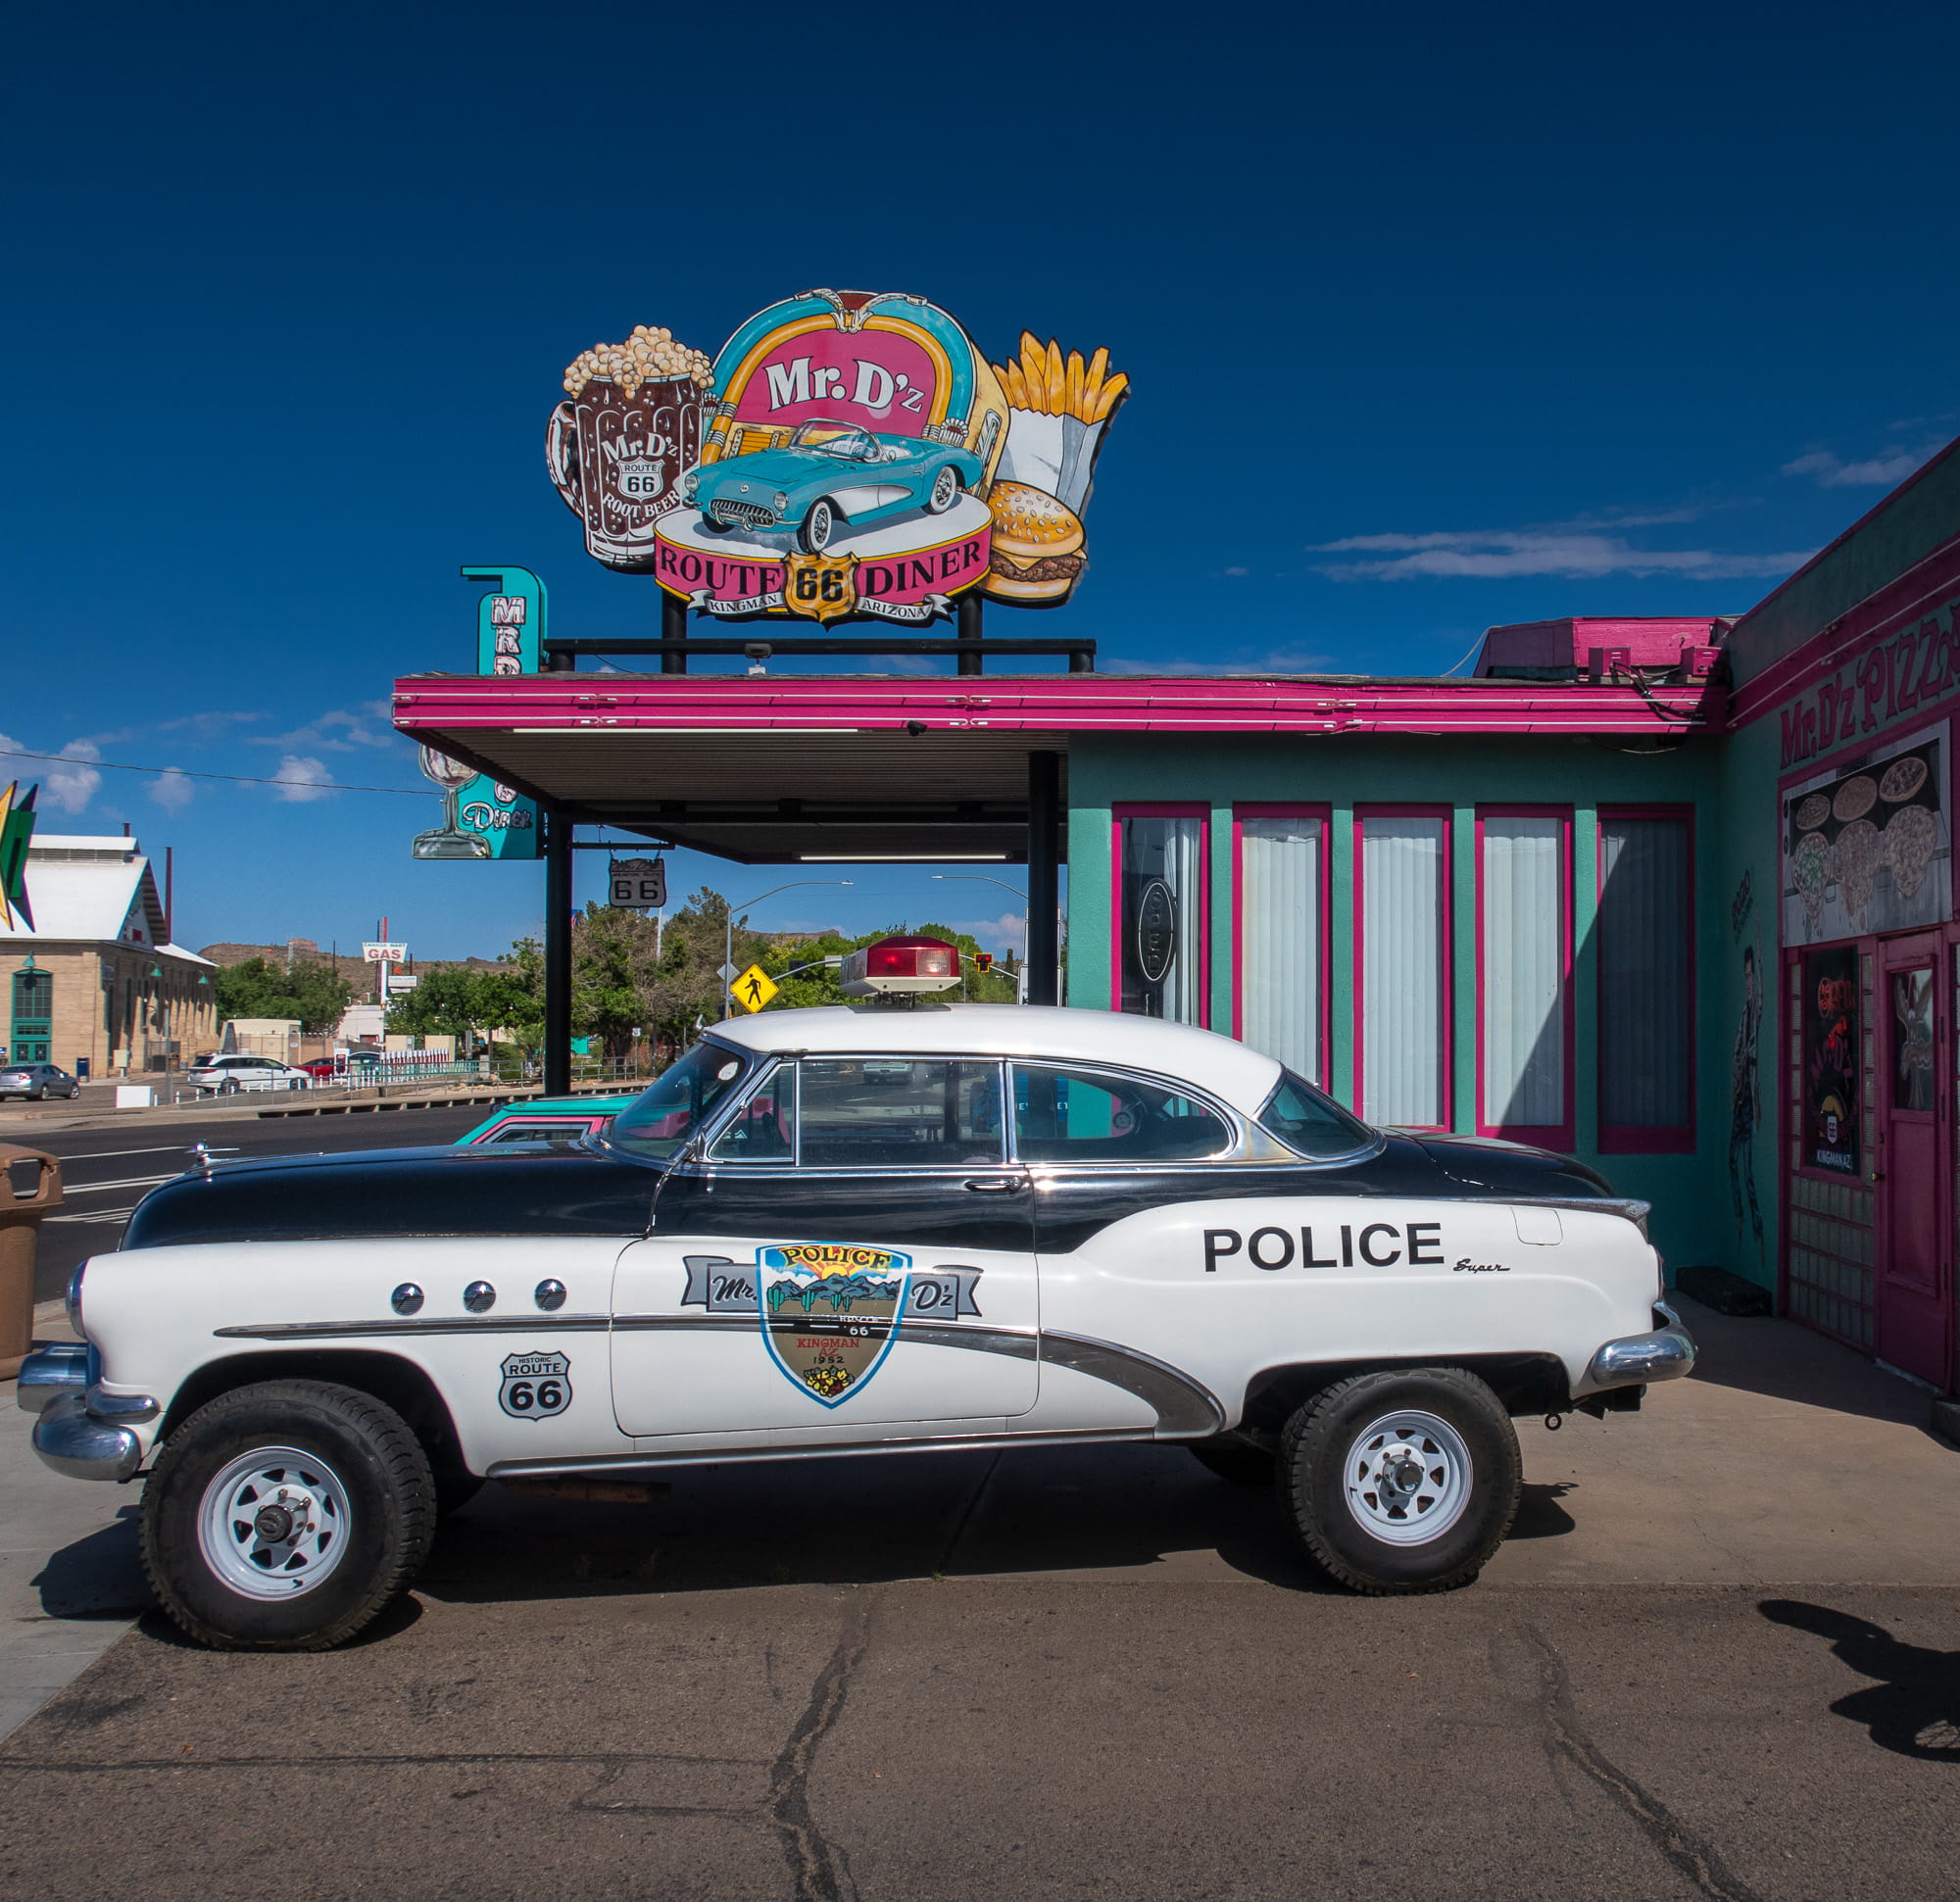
x=1913, y=1296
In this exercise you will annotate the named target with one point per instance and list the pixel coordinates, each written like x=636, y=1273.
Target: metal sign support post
x=1043, y=949
x=558, y=952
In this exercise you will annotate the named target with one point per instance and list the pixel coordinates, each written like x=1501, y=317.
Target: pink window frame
x=1446, y=975
x=1179, y=809
x=1324, y=1014
x=1559, y=1136
x=1679, y=1141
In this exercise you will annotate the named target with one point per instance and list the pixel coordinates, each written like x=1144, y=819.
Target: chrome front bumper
x=81, y=1432
x=50, y=1372
x=1638, y=1359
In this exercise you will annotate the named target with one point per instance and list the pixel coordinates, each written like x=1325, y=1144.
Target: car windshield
x=835, y=439
x=1311, y=1123
x=658, y=1123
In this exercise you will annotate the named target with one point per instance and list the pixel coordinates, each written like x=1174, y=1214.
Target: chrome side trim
x=432, y=1324
x=1624, y=1207
x=50, y=1372
x=1187, y=1409
x=749, y=1455
x=1018, y=1343
x=1666, y=1354
x=71, y=1442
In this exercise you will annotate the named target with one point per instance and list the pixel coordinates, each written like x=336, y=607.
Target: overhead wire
x=237, y=779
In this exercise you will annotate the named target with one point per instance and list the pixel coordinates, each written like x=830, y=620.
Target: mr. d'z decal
x=1370, y=1244
x=535, y=1386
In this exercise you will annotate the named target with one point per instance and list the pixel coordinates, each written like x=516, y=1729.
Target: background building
x=96, y=985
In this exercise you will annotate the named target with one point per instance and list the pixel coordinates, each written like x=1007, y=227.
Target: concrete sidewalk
x=1787, y=1461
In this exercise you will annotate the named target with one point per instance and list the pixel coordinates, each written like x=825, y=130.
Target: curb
x=1946, y=1421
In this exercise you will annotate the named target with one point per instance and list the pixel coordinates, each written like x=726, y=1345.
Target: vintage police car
x=844, y=1231
x=827, y=475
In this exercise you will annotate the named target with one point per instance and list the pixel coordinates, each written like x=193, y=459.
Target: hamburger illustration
x=1037, y=546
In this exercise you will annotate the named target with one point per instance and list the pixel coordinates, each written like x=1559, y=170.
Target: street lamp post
x=981, y=878
x=728, y=934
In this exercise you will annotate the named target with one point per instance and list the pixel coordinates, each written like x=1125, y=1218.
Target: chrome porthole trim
x=479, y=1298
x=406, y=1298
x=549, y=1296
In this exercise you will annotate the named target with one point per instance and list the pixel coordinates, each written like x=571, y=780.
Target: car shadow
x=1540, y=1515
x=1914, y=1706
x=99, y=1575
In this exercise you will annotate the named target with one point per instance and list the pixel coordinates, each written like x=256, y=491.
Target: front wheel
x=73, y=1092
x=1401, y=1481
x=945, y=491
x=818, y=525
x=283, y=1517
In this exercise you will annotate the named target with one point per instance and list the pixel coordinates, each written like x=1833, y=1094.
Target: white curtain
x=1279, y=940
x=1646, y=1004
x=1402, y=970
x=1170, y=850
x=1524, y=976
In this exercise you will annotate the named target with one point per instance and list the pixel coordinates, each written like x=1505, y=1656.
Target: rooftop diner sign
x=845, y=455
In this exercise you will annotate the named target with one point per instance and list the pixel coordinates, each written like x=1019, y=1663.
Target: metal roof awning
x=798, y=768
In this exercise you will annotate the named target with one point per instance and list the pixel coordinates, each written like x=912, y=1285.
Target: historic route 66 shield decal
x=535, y=1386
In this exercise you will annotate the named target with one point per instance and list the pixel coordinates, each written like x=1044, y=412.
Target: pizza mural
x=845, y=455
x=1868, y=848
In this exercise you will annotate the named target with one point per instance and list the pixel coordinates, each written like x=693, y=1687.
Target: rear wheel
x=283, y=1517
x=1401, y=1481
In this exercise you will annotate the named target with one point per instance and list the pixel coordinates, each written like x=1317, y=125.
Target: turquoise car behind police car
x=828, y=475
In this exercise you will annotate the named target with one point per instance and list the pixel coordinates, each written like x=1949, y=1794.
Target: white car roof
x=1229, y=1070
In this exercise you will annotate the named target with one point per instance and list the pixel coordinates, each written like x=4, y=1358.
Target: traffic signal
x=983, y=961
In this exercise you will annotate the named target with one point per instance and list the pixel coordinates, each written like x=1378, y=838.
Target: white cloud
x=345, y=729
x=300, y=779
x=172, y=790
x=71, y=788
x=1003, y=936
x=1877, y=471
x=1503, y=554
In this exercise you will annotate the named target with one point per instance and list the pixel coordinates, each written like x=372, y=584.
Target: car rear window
x=1310, y=1123
x=1082, y=1116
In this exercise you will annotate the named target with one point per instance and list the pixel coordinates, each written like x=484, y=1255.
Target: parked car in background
x=37, y=1081
x=363, y=1062
x=558, y=1120
x=226, y=1074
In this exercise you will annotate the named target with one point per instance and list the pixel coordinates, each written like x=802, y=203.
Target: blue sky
x=1435, y=318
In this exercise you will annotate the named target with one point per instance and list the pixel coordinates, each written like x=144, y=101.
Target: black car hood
x=502, y=1190
x=1490, y=1168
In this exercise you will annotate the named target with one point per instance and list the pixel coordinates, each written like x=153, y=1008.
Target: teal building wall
x=1688, y=1191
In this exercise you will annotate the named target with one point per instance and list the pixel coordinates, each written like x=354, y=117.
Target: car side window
x=561, y=1135
x=764, y=1126
x=1064, y=1115
x=882, y=1112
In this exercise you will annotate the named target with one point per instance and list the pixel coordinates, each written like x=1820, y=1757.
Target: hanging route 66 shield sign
x=535, y=1386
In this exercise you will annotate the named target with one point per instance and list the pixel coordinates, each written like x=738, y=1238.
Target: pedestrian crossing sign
x=753, y=987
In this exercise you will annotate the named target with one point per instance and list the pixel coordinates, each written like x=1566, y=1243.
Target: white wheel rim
x=819, y=525
x=1407, y=1478
x=274, y=1523
x=945, y=486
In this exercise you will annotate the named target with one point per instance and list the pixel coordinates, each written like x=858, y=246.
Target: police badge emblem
x=535, y=1386
x=820, y=587
x=830, y=1313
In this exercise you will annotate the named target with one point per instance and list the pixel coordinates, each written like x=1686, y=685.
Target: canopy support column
x=1044, y=953
x=557, y=953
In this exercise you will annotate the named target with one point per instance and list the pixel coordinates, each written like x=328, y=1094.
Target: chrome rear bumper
x=1638, y=1359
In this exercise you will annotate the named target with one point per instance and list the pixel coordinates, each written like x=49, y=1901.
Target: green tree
x=444, y=1004
x=309, y=989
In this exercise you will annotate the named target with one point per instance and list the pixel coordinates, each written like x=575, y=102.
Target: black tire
x=818, y=524
x=39, y=1096
x=1243, y=1462
x=389, y=1520
x=229, y=1088
x=1377, y=1545
x=74, y=1092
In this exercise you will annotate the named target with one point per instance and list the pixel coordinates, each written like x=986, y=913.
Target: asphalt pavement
x=1716, y=1659
x=108, y=1168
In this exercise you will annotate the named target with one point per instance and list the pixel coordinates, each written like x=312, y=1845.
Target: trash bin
x=30, y=1187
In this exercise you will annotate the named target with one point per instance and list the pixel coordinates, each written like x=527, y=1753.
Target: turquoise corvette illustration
x=829, y=475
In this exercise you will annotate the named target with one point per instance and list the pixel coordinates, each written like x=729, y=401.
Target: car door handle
x=994, y=1185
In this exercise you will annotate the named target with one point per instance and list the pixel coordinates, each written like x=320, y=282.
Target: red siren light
x=900, y=968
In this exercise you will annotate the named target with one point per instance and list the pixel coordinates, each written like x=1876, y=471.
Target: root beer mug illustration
x=618, y=445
